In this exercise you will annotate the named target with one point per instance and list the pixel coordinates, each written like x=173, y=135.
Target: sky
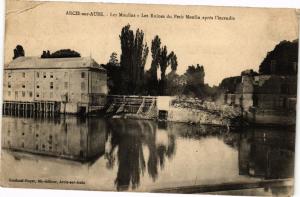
x=224, y=48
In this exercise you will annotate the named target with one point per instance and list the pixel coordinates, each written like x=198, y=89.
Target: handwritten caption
x=150, y=15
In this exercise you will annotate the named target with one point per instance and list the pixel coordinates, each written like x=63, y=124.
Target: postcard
x=149, y=98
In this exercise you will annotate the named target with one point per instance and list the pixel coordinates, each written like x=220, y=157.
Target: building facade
x=74, y=84
x=266, y=99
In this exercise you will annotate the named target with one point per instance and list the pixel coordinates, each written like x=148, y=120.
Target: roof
x=50, y=63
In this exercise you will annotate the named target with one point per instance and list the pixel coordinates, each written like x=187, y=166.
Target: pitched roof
x=50, y=63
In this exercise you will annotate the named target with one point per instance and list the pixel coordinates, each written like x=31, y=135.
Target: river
x=138, y=155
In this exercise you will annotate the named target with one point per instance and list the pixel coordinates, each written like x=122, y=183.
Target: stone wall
x=195, y=116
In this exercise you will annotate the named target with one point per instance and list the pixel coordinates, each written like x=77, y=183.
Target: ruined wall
x=275, y=92
x=195, y=116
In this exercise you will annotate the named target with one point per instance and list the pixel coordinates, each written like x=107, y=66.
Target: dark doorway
x=82, y=110
x=162, y=115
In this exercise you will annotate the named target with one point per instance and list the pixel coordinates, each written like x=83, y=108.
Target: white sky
x=225, y=48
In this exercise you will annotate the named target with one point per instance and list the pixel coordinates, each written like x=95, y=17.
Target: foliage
x=175, y=83
x=63, y=53
x=282, y=60
x=173, y=61
x=113, y=59
x=113, y=74
x=164, y=62
x=133, y=59
x=151, y=76
x=18, y=52
x=195, y=81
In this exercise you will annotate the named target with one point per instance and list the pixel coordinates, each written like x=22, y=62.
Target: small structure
x=163, y=107
x=54, y=85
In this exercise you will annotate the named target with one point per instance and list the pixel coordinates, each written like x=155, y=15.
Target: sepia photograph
x=149, y=98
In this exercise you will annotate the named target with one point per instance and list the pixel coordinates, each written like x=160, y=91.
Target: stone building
x=266, y=99
x=69, y=85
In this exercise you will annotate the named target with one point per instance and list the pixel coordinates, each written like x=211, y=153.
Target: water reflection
x=267, y=153
x=68, y=138
x=128, y=138
x=168, y=154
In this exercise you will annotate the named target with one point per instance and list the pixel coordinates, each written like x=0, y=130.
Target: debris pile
x=225, y=111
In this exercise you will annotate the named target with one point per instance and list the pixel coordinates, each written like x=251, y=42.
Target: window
x=23, y=86
x=23, y=93
x=83, y=75
x=30, y=94
x=9, y=85
x=66, y=74
x=9, y=75
x=66, y=85
x=82, y=86
x=51, y=75
x=37, y=95
x=38, y=75
x=16, y=93
x=37, y=86
x=23, y=74
x=44, y=74
x=51, y=85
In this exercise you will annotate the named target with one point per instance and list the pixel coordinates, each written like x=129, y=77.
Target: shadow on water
x=267, y=153
x=129, y=137
x=140, y=147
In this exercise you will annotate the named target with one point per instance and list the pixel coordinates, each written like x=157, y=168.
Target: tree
x=127, y=39
x=62, y=53
x=282, y=60
x=140, y=53
x=164, y=62
x=113, y=74
x=18, y=52
x=152, y=81
x=173, y=61
x=195, y=81
x=133, y=59
x=174, y=85
x=113, y=59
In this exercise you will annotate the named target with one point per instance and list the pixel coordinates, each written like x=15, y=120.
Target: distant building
x=73, y=84
x=266, y=99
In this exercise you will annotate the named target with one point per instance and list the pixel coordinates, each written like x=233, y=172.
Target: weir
x=143, y=107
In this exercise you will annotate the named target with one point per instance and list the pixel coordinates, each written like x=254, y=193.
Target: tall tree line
x=129, y=76
x=134, y=53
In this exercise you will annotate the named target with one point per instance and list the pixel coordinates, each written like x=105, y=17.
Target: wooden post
x=18, y=109
x=53, y=108
x=3, y=109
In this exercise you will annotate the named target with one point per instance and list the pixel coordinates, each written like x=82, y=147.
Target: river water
x=138, y=155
